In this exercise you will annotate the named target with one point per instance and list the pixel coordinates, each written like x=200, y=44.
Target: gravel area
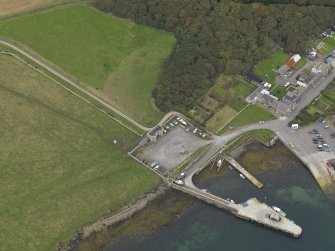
x=172, y=148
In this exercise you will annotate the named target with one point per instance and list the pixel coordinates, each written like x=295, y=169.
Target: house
x=328, y=32
x=270, y=100
x=289, y=64
x=283, y=109
x=296, y=58
x=143, y=141
x=153, y=135
x=302, y=84
x=290, y=96
x=283, y=70
x=321, y=68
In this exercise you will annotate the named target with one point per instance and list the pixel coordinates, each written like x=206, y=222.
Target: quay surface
x=242, y=170
x=261, y=213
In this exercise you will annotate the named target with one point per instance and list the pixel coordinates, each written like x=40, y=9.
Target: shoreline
x=107, y=221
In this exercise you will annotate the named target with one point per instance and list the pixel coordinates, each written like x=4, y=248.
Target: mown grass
x=58, y=165
x=250, y=115
x=301, y=63
x=221, y=117
x=113, y=56
x=224, y=100
x=263, y=135
x=329, y=45
x=266, y=68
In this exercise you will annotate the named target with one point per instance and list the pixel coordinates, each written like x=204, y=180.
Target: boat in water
x=242, y=176
x=278, y=210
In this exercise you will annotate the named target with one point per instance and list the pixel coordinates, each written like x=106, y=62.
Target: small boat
x=242, y=176
x=219, y=163
x=278, y=210
x=230, y=167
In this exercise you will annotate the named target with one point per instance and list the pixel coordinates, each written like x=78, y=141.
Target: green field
x=252, y=114
x=329, y=94
x=220, y=118
x=225, y=99
x=329, y=45
x=116, y=57
x=58, y=165
x=266, y=69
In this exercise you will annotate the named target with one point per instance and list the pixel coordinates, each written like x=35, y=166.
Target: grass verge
x=252, y=114
x=263, y=135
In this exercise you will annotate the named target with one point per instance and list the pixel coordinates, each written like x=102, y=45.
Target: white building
x=296, y=58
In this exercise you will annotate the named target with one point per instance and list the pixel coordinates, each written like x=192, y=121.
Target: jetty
x=242, y=170
x=251, y=210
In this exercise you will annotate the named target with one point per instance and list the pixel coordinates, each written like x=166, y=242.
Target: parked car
x=181, y=176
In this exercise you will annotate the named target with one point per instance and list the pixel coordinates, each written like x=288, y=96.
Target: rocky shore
x=108, y=221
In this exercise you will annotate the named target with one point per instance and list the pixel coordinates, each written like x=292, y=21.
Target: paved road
x=72, y=83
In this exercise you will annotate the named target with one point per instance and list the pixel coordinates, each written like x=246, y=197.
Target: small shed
x=275, y=217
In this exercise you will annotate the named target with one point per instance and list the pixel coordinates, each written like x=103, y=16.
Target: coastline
x=107, y=221
x=109, y=224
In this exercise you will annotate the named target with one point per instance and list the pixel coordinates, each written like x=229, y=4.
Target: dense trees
x=216, y=37
x=298, y=2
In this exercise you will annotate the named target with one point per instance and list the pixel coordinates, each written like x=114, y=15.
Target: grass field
x=113, y=56
x=266, y=69
x=221, y=117
x=330, y=94
x=252, y=114
x=58, y=166
x=225, y=99
x=329, y=45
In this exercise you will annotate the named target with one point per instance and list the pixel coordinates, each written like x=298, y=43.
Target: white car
x=179, y=182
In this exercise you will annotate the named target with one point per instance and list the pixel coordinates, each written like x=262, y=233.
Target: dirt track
x=10, y=7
